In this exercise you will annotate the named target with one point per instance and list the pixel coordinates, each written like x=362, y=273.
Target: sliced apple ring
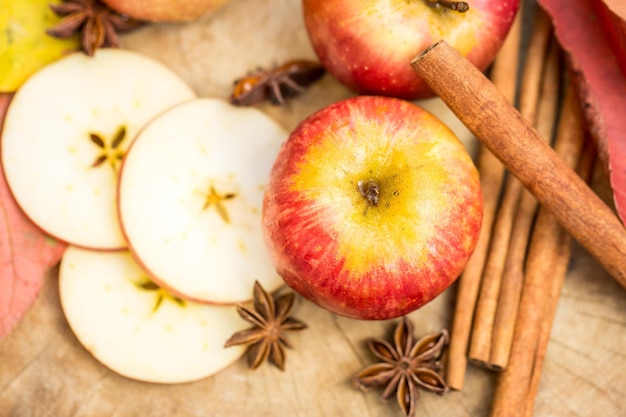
x=137, y=329
x=67, y=129
x=190, y=195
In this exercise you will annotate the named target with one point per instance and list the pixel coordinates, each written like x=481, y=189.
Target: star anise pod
x=97, y=23
x=405, y=366
x=270, y=317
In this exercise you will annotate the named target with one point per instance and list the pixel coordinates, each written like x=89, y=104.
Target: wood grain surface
x=45, y=372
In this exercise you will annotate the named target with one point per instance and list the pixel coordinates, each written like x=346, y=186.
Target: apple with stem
x=190, y=196
x=138, y=329
x=368, y=44
x=67, y=129
x=372, y=209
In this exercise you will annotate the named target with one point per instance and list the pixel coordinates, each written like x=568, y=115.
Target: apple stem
x=369, y=190
x=459, y=6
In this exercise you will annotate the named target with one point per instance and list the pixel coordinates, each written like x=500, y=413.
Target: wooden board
x=44, y=371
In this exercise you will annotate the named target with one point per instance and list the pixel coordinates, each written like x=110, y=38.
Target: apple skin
x=352, y=258
x=165, y=10
x=368, y=44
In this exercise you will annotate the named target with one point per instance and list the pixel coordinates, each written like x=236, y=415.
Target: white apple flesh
x=58, y=149
x=190, y=196
x=137, y=329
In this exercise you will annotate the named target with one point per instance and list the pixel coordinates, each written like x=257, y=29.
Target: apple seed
x=109, y=153
x=215, y=199
x=161, y=293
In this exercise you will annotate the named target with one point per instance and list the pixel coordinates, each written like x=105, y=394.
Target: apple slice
x=190, y=195
x=137, y=329
x=67, y=128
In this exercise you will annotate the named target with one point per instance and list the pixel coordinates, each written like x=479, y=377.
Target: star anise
x=405, y=366
x=97, y=23
x=270, y=317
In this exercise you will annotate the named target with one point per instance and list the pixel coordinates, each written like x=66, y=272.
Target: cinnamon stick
x=513, y=275
x=491, y=178
x=559, y=242
x=485, y=313
x=498, y=125
x=512, y=388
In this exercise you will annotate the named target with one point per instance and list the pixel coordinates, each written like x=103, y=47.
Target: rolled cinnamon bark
x=492, y=177
x=500, y=127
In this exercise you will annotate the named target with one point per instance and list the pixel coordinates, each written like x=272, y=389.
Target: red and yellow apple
x=368, y=44
x=372, y=208
x=165, y=10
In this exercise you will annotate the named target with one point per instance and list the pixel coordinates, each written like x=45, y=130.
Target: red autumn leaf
x=601, y=85
x=612, y=19
x=26, y=253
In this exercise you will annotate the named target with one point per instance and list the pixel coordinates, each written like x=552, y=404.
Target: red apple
x=368, y=44
x=165, y=10
x=372, y=208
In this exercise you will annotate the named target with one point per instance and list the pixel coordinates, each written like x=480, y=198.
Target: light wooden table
x=44, y=371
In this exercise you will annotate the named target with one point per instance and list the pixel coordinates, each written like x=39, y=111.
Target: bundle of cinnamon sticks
x=535, y=162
